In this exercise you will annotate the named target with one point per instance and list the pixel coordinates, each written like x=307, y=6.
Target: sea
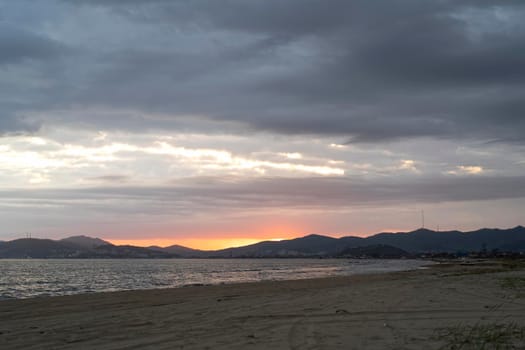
x=30, y=278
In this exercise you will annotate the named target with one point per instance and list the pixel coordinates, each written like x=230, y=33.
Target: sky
x=217, y=123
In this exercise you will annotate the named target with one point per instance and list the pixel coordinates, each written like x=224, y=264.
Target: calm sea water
x=34, y=278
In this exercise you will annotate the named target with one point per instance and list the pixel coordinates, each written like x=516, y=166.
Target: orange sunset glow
x=205, y=240
x=194, y=243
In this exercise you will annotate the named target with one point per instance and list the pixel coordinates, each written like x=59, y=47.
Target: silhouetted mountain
x=418, y=241
x=85, y=241
x=311, y=245
x=350, y=241
x=422, y=240
x=36, y=248
x=415, y=242
x=181, y=251
x=125, y=251
x=515, y=247
x=49, y=249
x=377, y=251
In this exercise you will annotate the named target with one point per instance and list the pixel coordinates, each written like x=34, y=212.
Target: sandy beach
x=440, y=307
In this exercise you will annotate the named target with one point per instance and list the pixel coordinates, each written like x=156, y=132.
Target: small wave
x=28, y=279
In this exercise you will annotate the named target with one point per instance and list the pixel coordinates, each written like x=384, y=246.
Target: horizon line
x=249, y=240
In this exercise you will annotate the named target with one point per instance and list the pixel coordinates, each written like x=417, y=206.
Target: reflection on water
x=31, y=278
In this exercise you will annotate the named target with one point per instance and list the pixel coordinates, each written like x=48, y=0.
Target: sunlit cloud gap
x=77, y=156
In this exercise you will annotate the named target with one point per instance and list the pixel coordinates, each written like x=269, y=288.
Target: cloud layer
x=365, y=71
x=204, y=106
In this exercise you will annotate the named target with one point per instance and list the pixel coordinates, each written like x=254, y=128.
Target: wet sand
x=423, y=309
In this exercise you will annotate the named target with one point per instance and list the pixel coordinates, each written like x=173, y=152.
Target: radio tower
x=422, y=219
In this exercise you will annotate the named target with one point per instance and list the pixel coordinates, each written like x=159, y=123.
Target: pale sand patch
x=407, y=310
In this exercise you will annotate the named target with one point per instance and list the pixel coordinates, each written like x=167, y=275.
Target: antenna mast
x=422, y=219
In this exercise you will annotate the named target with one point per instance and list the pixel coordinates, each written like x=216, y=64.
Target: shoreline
x=334, y=281
x=206, y=274
x=405, y=309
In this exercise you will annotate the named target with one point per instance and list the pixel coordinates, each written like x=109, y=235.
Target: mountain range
x=74, y=247
x=399, y=244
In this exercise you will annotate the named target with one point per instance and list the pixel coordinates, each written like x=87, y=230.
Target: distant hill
x=85, y=241
x=49, y=249
x=377, y=251
x=125, y=252
x=36, y=248
x=181, y=251
x=428, y=241
x=382, y=244
x=415, y=242
x=311, y=245
x=516, y=247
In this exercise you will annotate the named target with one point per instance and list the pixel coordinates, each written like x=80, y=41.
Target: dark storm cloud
x=288, y=18
x=17, y=45
x=28, y=73
x=365, y=70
